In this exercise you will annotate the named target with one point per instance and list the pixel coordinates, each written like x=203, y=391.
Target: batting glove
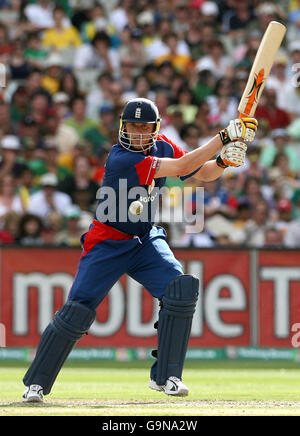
x=240, y=128
x=232, y=155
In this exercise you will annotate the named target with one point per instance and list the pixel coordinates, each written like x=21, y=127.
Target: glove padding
x=234, y=154
x=240, y=128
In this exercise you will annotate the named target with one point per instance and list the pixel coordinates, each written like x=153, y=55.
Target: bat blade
x=261, y=68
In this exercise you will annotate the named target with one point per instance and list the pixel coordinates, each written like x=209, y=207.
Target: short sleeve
x=136, y=168
x=146, y=170
x=177, y=151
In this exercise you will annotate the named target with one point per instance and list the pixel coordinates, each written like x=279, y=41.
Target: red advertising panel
x=36, y=282
x=223, y=315
x=278, y=297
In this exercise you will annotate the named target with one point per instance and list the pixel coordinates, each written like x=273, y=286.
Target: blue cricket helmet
x=139, y=110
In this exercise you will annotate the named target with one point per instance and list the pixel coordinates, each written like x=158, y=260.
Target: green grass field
x=121, y=389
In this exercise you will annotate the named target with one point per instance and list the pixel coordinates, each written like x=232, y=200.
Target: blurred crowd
x=67, y=68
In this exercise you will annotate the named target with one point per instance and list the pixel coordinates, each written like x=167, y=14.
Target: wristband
x=220, y=163
x=224, y=136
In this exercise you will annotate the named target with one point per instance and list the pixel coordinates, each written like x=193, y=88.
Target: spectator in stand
x=152, y=37
x=78, y=121
x=119, y=15
x=141, y=89
x=284, y=217
x=230, y=184
x=292, y=97
x=268, y=109
x=235, y=21
x=185, y=104
x=252, y=191
x=180, y=18
x=9, y=164
x=266, y=12
x=255, y=228
x=253, y=168
x=295, y=199
x=116, y=97
x=6, y=46
x=98, y=55
x=26, y=186
x=216, y=61
x=179, y=61
x=223, y=105
x=61, y=102
x=107, y=128
x=99, y=96
x=80, y=187
x=30, y=230
x=201, y=119
x=39, y=106
x=190, y=134
x=162, y=102
x=70, y=235
x=292, y=235
x=34, y=83
x=97, y=21
x=30, y=133
x=34, y=53
x=280, y=145
x=19, y=67
x=53, y=73
x=6, y=125
x=204, y=85
x=279, y=81
x=81, y=148
x=216, y=200
x=174, y=129
x=132, y=45
x=48, y=200
x=127, y=73
x=8, y=234
x=193, y=38
x=293, y=16
x=50, y=162
x=294, y=59
x=281, y=162
x=273, y=237
x=178, y=83
x=10, y=201
x=99, y=167
x=40, y=15
x=63, y=135
x=18, y=106
x=244, y=211
x=59, y=36
x=69, y=85
x=164, y=78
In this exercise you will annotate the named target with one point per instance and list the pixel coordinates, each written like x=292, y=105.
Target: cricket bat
x=261, y=68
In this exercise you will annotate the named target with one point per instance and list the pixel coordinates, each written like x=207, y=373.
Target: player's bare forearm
x=209, y=171
x=190, y=161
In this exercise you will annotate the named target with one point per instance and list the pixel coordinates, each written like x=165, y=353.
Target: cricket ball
x=136, y=208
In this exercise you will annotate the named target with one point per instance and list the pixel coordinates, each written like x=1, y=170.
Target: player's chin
x=138, y=146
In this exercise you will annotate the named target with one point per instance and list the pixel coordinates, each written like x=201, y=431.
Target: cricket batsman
x=141, y=160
